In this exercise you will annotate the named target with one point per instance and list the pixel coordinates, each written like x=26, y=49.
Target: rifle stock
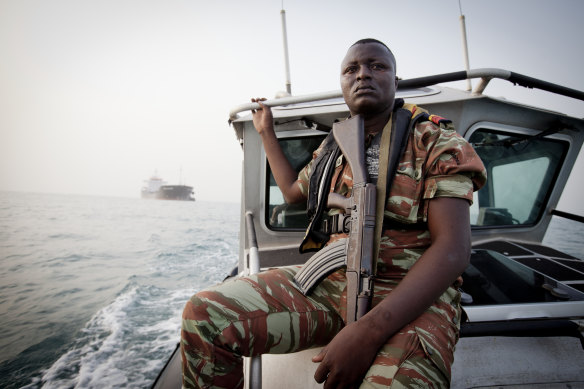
x=350, y=136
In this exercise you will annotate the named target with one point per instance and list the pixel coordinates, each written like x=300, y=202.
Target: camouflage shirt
x=437, y=162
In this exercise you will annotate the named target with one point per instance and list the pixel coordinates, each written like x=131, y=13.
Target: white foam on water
x=88, y=360
x=122, y=345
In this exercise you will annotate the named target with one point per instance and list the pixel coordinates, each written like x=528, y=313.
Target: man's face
x=368, y=79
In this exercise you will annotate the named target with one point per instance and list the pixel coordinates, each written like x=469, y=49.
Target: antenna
x=286, y=59
x=464, y=47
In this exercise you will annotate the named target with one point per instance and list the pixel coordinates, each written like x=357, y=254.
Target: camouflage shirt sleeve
x=437, y=162
x=453, y=168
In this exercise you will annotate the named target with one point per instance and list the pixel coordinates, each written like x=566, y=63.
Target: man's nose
x=364, y=72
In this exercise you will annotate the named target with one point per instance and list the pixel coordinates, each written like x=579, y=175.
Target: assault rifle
x=357, y=250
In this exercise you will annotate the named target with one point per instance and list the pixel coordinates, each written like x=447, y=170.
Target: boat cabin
x=514, y=285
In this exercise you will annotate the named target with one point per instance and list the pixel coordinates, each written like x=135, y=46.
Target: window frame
x=503, y=129
x=282, y=135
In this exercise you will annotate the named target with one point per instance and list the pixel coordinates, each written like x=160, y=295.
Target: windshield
x=521, y=172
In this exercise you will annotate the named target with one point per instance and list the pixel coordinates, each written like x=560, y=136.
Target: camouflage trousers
x=265, y=313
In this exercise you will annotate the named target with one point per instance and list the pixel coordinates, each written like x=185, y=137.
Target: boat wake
x=124, y=344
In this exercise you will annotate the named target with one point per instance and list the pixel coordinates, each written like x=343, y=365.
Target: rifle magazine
x=320, y=265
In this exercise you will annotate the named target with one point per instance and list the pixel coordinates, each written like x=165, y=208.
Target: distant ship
x=156, y=188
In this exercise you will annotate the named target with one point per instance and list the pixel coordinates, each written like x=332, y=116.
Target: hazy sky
x=98, y=95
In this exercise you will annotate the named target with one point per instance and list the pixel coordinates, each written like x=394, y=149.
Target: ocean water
x=92, y=288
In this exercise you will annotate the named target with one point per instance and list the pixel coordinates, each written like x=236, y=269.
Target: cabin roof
x=421, y=91
x=332, y=107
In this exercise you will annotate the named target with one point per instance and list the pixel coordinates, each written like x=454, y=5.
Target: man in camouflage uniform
x=407, y=339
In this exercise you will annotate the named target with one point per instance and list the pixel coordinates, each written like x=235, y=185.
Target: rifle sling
x=393, y=143
x=382, y=179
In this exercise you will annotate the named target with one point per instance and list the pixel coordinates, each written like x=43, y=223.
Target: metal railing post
x=254, y=380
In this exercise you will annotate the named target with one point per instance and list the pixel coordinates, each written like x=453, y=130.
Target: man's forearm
x=421, y=287
x=284, y=174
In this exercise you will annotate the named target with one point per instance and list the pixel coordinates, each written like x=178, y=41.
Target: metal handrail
x=285, y=101
x=254, y=260
x=567, y=215
x=485, y=74
x=255, y=370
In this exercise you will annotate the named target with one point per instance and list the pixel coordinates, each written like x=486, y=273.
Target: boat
x=151, y=187
x=175, y=192
x=524, y=301
x=157, y=188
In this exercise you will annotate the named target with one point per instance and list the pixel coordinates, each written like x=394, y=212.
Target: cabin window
x=280, y=215
x=521, y=173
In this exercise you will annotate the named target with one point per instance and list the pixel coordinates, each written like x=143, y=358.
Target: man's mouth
x=364, y=89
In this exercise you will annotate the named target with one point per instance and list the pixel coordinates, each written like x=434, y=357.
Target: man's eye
x=377, y=66
x=351, y=69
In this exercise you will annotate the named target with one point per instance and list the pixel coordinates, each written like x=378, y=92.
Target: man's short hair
x=372, y=40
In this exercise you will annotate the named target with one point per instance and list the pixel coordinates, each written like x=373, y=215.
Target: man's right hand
x=283, y=172
x=346, y=359
x=262, y=117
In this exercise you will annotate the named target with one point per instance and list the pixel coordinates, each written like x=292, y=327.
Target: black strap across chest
x=323, y=170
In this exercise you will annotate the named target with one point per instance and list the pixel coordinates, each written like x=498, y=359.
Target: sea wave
x=118, y=339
